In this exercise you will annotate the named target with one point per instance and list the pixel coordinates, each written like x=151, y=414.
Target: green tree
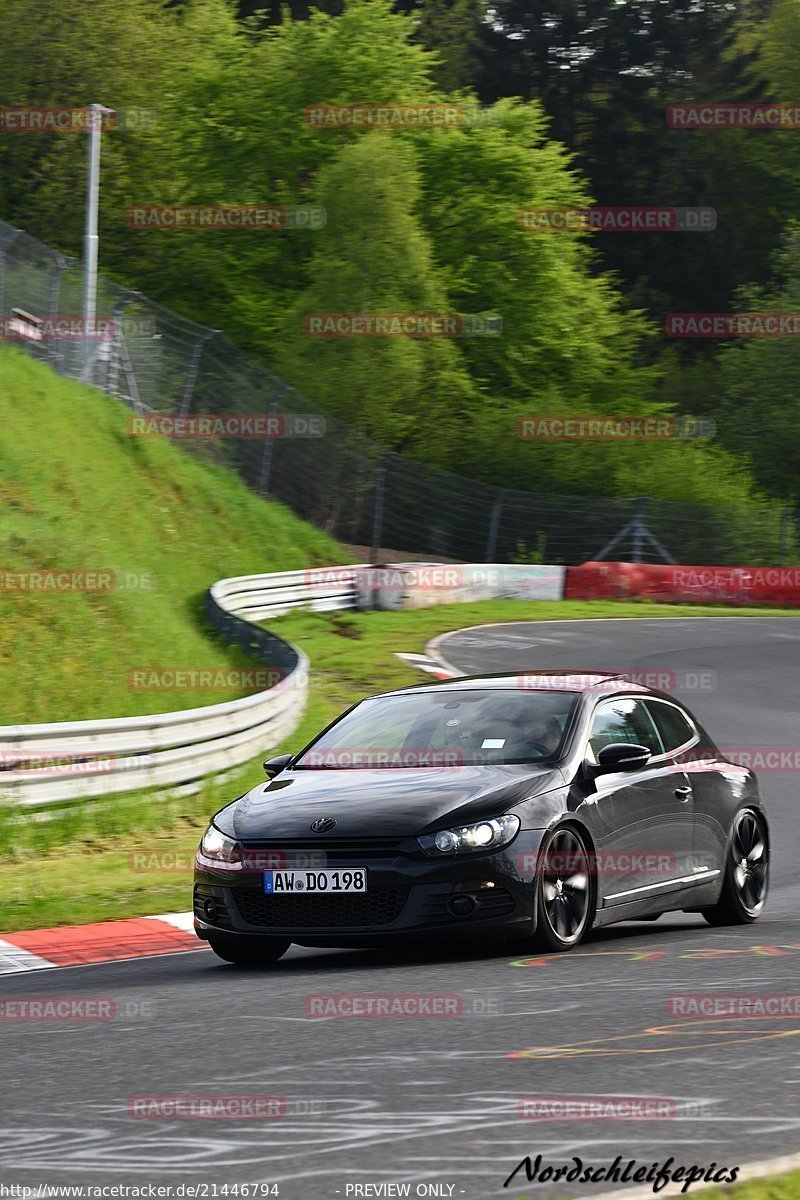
x=401, y=391
x=758, y=411
x=120, y=53
x=605, y=73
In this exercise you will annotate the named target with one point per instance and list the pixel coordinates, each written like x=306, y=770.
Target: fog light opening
x=461, y=906
x=210, y=908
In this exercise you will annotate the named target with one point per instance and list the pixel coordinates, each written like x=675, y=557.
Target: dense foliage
x=571, y=98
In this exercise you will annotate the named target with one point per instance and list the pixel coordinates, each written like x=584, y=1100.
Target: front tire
x=565, y=901
x=247, y=951
x=744, y=890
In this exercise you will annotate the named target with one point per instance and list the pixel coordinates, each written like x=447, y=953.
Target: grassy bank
x=77, y=494
x=779, y=1187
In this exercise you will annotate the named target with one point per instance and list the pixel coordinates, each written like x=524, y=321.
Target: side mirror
x=622, y=756
x=274, y=766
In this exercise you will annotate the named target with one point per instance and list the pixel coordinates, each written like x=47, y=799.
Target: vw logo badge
x=323, y=825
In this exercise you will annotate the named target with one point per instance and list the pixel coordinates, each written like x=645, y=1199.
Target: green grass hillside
x=76, y=493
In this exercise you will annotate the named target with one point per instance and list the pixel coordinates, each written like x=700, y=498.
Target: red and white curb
x=104, y=941
x=427, y=663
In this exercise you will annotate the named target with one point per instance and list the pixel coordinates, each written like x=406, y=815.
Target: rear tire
x=745, y=887
x=247, y=951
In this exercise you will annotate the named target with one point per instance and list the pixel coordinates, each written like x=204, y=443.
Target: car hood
x=383, y=803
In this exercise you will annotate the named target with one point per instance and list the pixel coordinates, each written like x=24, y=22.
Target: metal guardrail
x=43, y=765
x=125, y=754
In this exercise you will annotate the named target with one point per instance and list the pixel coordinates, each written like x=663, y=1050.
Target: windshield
x=445, y=729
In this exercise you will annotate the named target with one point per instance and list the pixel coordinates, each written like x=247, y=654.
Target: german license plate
x=283, y=883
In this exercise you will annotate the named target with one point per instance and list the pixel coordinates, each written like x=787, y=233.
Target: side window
x=675, y=730
x=624, y=720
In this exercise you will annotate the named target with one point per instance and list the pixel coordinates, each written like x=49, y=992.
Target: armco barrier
x=676, y=584
x=123, y=754
x=182, y=748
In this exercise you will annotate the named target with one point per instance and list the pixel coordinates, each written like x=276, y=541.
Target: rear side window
x=675, y=730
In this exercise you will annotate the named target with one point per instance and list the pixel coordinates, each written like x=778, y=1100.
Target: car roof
x=574, y=681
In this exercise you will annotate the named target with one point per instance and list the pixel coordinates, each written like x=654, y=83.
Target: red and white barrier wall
x=678, y=584
x=420, y=584
x=417, y=585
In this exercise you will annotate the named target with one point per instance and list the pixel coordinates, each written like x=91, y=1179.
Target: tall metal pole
x=90, y=240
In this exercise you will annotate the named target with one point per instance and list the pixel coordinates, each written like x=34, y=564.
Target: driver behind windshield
x=544, y=733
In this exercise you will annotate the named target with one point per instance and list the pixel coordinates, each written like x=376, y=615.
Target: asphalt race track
x=435, y=1101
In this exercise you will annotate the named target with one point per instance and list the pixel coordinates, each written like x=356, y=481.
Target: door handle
x=683, y=794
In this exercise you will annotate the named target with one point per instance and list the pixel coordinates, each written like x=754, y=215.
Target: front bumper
x=408, y=894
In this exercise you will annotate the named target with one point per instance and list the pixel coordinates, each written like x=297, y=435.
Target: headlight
x=485, y=835
x=219, y=851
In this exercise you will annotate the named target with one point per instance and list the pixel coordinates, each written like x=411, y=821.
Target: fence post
x=4, y=245
x=494, y=524
x=53, y=356
x=638, y=528
x=786, y=525
x=191, y=374
x=266, y=457
x=377, y=512
x=112, y=376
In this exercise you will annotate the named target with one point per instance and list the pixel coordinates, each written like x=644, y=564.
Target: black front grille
x=379, y=907
x=332, y=846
